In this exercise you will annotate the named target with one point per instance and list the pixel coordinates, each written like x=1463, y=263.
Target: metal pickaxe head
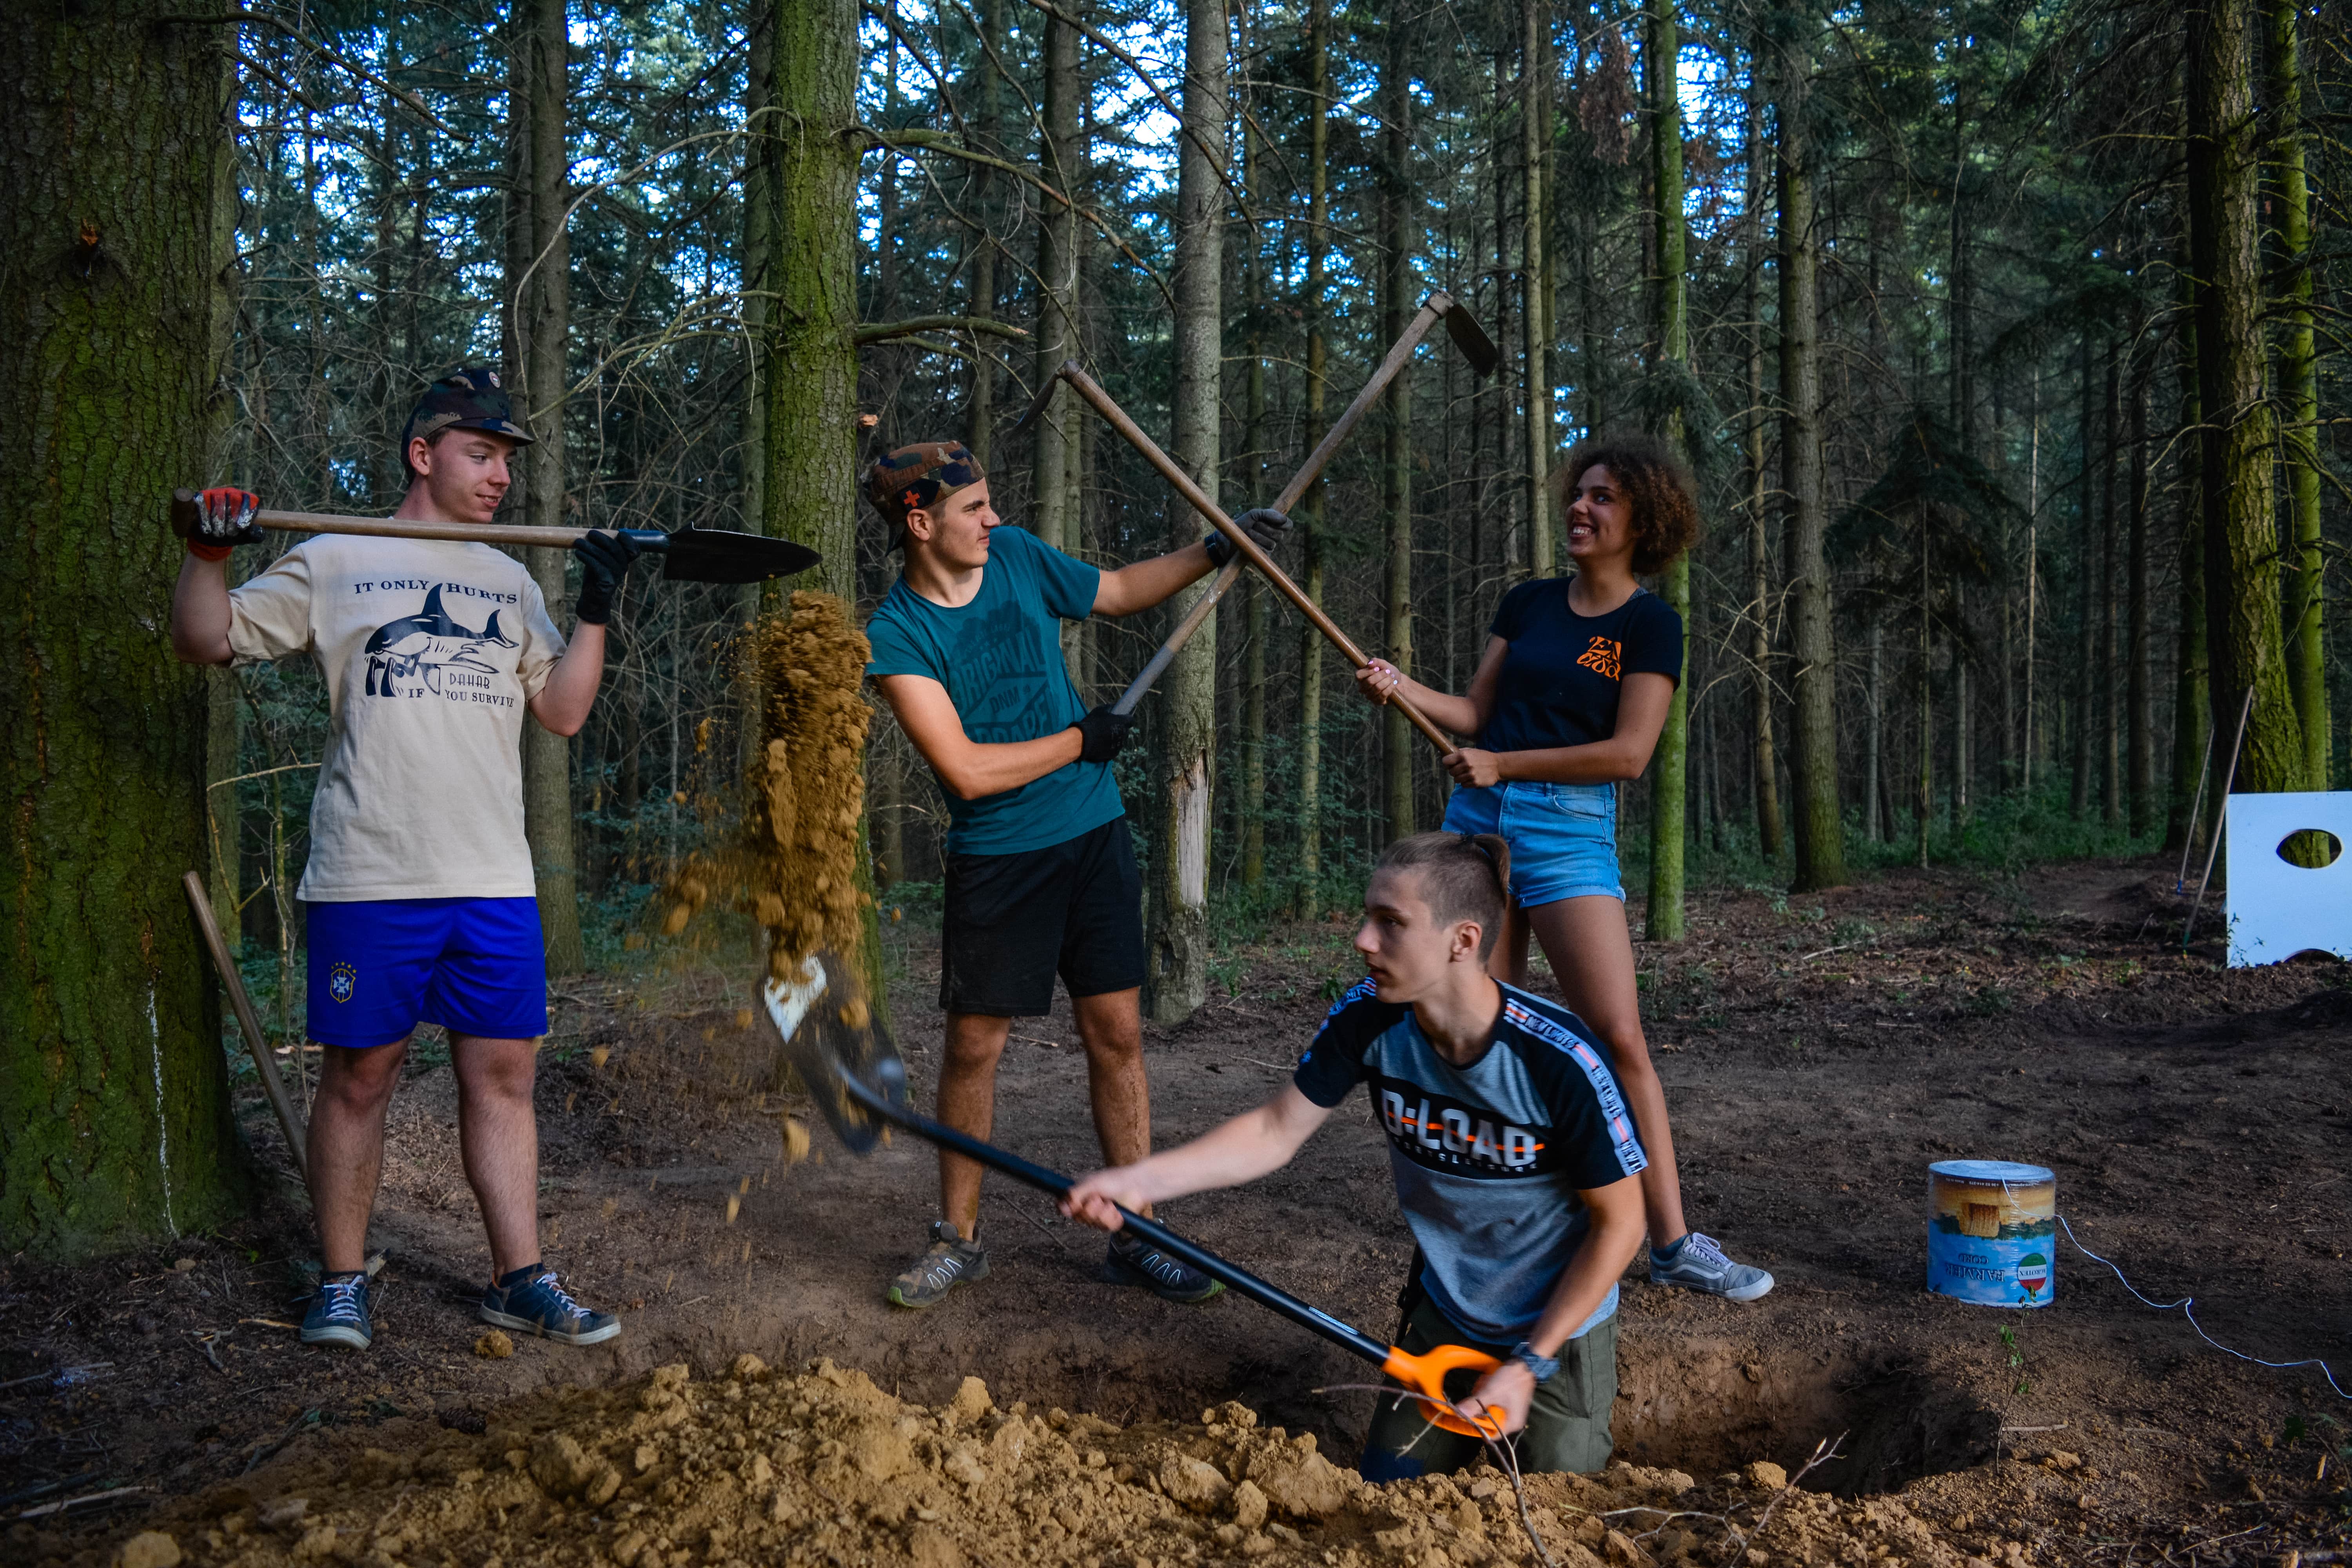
x=1468, y=335
x=1045, y=395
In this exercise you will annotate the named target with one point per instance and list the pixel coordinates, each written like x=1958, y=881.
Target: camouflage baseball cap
x=468, y=399
x=919, y=476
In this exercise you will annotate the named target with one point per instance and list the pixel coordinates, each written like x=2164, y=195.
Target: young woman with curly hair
x=1568, y=703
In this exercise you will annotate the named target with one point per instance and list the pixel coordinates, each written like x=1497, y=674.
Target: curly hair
x=1656, y=480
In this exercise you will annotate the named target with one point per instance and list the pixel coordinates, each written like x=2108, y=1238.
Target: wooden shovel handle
x=289, y=1116
x=1199, y=501
x=184, y=505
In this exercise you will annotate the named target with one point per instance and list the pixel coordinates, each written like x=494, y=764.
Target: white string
x=2188, y=1305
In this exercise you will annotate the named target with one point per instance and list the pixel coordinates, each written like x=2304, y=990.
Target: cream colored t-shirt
x=431, y=649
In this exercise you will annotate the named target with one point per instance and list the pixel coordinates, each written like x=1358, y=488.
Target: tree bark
x=1759, y=636
x=1820, y=831
x=115, y=1121
x=1178, y=975
x=1535, y=134
x=2191, y=712
x=985, y=93
x=540, y=287
x=2298, y=398
x=1057, y=260
x=2110, y=687
x=1664, y=918
x=2086, y=664
x=1400, y=744
x=1253, y=592
x=1312, y=306
x=811, y=492
x=2242, y=577
x=2141, y=726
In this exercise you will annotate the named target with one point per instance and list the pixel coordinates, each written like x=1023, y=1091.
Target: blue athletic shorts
x=1563, y=836
x=378, y=968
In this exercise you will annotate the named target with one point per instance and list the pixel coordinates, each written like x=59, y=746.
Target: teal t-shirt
x=1000, y=657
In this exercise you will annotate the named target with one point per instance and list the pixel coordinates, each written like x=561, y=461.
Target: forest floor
x=1817, y=1052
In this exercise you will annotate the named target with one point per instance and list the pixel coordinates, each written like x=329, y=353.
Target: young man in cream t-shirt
x=421, y=900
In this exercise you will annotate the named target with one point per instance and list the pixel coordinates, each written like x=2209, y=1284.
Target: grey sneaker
x=1698, y=1264
x=1133, y=1261
x=947, y=1263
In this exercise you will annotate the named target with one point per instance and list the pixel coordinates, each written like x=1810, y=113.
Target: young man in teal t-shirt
x=1041, y=875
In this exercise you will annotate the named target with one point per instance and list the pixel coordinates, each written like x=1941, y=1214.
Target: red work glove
x=224, y=520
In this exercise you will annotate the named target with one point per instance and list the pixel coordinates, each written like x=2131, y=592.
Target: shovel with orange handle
x=1422, y=1375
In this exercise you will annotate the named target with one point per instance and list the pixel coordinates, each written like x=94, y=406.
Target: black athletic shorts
x=1013, y=922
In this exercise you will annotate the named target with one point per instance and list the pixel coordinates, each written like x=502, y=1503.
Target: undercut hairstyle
x=1656, y=483
x=1462, y=876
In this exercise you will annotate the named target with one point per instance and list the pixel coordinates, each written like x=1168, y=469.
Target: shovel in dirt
x=688, y=554
x=830, y=1035
x=883, y=1100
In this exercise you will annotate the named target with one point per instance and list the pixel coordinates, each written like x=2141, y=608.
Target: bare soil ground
x=1819, y=1053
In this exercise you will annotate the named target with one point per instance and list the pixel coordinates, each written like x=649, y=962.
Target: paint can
x=1992, y=1229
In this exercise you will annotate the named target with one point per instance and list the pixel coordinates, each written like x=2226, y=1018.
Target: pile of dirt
x=761, y=1467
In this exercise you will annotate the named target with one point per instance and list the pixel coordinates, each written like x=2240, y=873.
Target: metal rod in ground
x=1199, y=501
x=289, y=1119
x=2220, y=821
x=2195, y=809
x=1399, y=356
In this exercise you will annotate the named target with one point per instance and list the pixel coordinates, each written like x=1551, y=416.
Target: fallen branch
x=883, y=331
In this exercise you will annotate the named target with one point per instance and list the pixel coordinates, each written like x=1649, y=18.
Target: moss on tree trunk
x=115, y=1125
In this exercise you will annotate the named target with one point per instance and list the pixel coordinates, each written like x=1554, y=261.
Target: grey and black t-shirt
x=1489, y=1158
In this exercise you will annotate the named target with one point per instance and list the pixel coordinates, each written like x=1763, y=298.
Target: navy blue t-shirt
x=1488, y=1159
x=1563, y=672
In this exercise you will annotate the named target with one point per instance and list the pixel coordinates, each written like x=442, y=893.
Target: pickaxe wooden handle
x=1115, y=417
x=289, y=1116
x=1467, y=334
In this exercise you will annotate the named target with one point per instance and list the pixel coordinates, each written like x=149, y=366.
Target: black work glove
x=1101, y=733
x=1267, y=528
x=604, y=558
x=224, y=518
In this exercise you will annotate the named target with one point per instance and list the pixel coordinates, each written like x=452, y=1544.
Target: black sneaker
x=339, y=1313
x=1134, y=1262
x=536, y=1304
x=947, y=1263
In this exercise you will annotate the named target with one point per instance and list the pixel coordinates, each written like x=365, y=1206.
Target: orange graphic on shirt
x=1601, y=658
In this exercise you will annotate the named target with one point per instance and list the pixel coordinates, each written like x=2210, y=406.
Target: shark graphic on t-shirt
x=418, y=648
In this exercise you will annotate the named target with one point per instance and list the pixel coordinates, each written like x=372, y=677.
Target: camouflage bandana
x=468, y=399
x=919, y=477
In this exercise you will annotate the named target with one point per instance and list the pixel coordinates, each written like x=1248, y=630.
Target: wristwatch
x=1543, y=1366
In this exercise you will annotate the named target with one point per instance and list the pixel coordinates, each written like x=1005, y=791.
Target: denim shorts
x=1563, y=836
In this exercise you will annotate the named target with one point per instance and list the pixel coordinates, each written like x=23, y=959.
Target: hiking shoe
x=1696, y=1263
x=535, y=1304
x=948, y=1262
x=1134, y=1262
x=339, y=1313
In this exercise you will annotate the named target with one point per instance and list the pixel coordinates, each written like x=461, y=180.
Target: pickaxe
x=1467, y=335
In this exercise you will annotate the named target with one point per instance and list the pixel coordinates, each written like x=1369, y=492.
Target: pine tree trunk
x=1401, y=742
x=1057, y=281
x=1820, y=833
x=2298, y=397
x=2192, y=719
x=1535, y=134
x=2086, y=660
x=1875, y=826
x=2138, y=698
x=1178, y=977
x=1759, y=636
x=811, y=493
x=1312, y=306
x=2111, y=692
x=2241, y=576
x=1254, y=591
x=984, y=92
x=1664, y=920
x=539, y=285
x=115, y=1122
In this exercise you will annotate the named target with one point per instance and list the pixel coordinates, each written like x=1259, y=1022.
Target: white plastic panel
x=2277, y=910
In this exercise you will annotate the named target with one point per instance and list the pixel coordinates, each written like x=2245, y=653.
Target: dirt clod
x=1768, y=1475
x=149, y=1549
x=494, y=1345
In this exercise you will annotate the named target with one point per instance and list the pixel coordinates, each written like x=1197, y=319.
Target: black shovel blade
x=716, y=555
x=830, y=1034
x=1472, y=340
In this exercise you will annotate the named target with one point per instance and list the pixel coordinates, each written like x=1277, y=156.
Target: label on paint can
x=1991, y=1232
